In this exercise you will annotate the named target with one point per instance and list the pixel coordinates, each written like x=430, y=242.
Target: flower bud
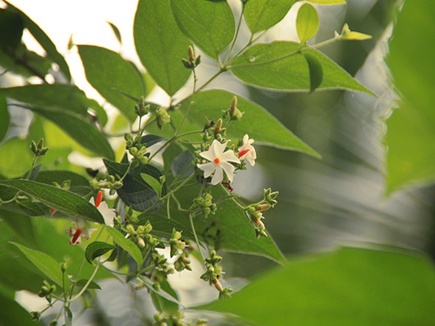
x=191, y=53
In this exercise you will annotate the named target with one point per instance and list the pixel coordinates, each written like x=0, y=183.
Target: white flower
x=219, y=162
x=247, y=151
x=79, y=231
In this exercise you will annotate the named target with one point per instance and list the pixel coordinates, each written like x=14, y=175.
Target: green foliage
x=108, y=72
x=282, y=66
x=209, y=24
x=56, y=198
x=350, y=286
x=160, y=44
x=169, y=186
x=263, y=14
x=411, y=134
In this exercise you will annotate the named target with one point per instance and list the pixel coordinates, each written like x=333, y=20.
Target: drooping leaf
x=55, y=97
x=45, y=263
x=209, y=24
x=96, y=249
x=150, y=139
x=126, y=244
x=135, y=192
x=13, y=24
x=411, y=132
x=4, y=118
x=349, y=287
x=281, y=66
x=316, y=71
x=56, y=198
x=111, y=74
x=263, y=14
x=79, y=129
x=160, y=44
x=307, y=22
x=255, y=121
x=44, y=41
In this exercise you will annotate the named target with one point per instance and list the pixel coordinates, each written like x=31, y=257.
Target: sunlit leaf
x=263, y=14
x=282, y=66
x=209, y=24
x=411, y=128
x=153, y=183
x=126, y=244
x=349, y=287
x=111, y=74
x=45, y=263
x=255, y=121
x=160, y=44
x=307, y=22
x=60, y=199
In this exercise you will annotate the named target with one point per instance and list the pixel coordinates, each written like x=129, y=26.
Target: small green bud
x=130, y=229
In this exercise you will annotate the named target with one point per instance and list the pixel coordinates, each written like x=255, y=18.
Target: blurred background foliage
x=371, y=189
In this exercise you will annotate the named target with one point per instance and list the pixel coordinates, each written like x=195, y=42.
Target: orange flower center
x=216, y=160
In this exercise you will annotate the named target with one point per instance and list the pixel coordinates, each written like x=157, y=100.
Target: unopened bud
x=191, y=53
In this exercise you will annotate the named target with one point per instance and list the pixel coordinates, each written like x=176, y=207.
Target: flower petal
x=208, y=169
x=229, y=170
x=218, y=176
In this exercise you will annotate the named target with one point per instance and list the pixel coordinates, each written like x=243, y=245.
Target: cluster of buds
x=214, y=130
x=141, y=235
x=213, y=273
x=47, y=291
x=162, y=116
x=181, y=249
x=191, y=62
x=110, y=183
x=38, y=148
x=205, y=204
x=142, y=108
x=161, y=270
x=255, y=211
x=136, y=149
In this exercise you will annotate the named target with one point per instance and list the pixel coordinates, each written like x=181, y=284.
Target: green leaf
x=164, y=227
x=115, y=31
x=411, y=131
x=263, y=14
x=307, y=22
x=256, y=122
x=328, y=2
x=12, y=313
x=62, y=200
x=316, y=71
x=182, y=164
x=349, y=287
x=44, y=41
x=79, y=184
x=135, y=192
x=111, y=74
x=229, y=229
x=209, y=24
x=153, y=183
x=126, y=244
x=281, y=66
x=97, y=249
x=160, y=44
x=13, y=24
x=55, y=97
x=45, y=263
x=4, y=118
x=80, y=129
